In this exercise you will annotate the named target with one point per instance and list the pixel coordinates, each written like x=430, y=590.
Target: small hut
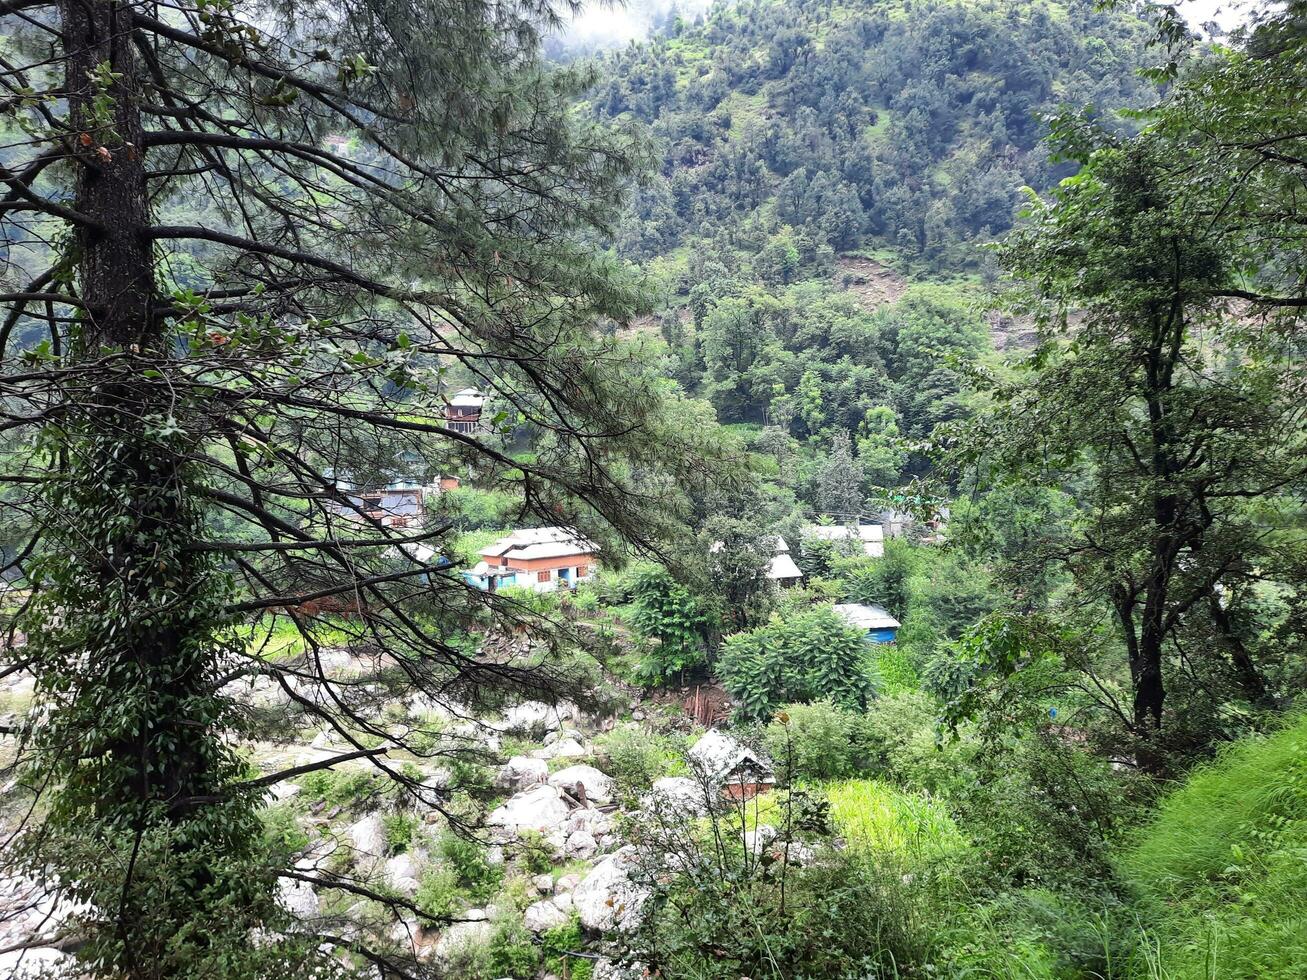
x=739, y=771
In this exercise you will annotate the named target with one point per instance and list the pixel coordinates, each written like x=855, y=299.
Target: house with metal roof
x=540, y=558
x=875, y=621
x=870, y=538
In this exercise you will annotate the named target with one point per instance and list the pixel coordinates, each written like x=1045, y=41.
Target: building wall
x=527, y=571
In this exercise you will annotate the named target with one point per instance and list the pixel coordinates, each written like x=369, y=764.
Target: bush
x=807, y=657
x=439, y=893
x=536, y=853
x=634, y=757
x=511, y=951
x=467, y=859
x=345, y=787
x=556, y=943
x=399, y=828
x=820, y=741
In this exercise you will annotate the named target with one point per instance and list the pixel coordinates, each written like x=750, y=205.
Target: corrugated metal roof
x=866, y=617
x=541, y=542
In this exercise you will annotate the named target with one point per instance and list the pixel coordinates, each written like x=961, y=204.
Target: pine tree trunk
x=122, y=458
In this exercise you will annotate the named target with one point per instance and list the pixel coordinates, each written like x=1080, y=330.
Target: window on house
x=582, y=570
x=543, y=576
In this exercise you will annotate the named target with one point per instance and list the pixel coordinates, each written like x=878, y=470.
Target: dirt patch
x=873, y=285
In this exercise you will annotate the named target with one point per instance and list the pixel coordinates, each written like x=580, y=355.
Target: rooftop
x=540, y=542
x=866, y=617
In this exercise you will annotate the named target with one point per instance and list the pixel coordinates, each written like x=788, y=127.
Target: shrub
x=634, y=757
x=819, y=742
x=809, y=656
x=346, y=787
x=282, y=831
x=511, y=951
x=536, y=853
x=439, y=893
x=468, y=860
x=399, y=828
x=556, y=943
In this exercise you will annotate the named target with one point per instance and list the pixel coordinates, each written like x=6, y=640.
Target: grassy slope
x=1222, y=868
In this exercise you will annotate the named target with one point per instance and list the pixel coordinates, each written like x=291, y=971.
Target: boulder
x=543, y=883
x=543, y=916
x=676, y=796
x=563, y=900
x=566, y=883
x=297, y=897
x=531, y=717
x=521, y=772
x=598, y=785
x=368, y=836
x=539, y=809
x=404, y=873
x=462, y=937
x=581, y=845
x=571, y=733
x=594, y=822
x=565, y=748
x=607, y=898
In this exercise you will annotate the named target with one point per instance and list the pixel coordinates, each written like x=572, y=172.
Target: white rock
x=563, y=900
x=598, y=785
x=566, y=883
x=521, y=772
x=543, y=916
x=543, y=883
x=404, y=873
x=297, y=897
x=676, y=796
x=534, y=809
x=438, y=780
x=581, y=845
x=461, y=937
x=475, y=915
x=571, y=733
x=595, y=822
x=607, y=898
x=368, y=836
x=531, y=716
x=567, y=748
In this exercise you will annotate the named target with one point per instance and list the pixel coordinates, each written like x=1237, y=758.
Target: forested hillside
x=794, y=130
x=831, y=177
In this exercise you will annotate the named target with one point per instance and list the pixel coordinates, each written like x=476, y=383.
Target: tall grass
x=873, y=815
x=1222, y=868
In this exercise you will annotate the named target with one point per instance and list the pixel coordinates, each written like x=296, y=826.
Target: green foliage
x=883, y=581
x=634, y=757
x=807, y=656
x=666, y=613
x=1220, y=867
x=875, y=816
x=557, y=942
x=473, y=871
x=535, y=853
x=817, y=742
x=399, y=828
x=341, y=787
x=440, y=893
x=511, y=951
x=282, y=831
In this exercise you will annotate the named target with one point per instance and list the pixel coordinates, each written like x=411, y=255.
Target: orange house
x=541, y=559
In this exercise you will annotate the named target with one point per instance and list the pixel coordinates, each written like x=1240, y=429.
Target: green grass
x=1222, y=868
x=874, y=815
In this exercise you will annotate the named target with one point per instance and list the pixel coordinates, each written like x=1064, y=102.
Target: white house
x=869, y=537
